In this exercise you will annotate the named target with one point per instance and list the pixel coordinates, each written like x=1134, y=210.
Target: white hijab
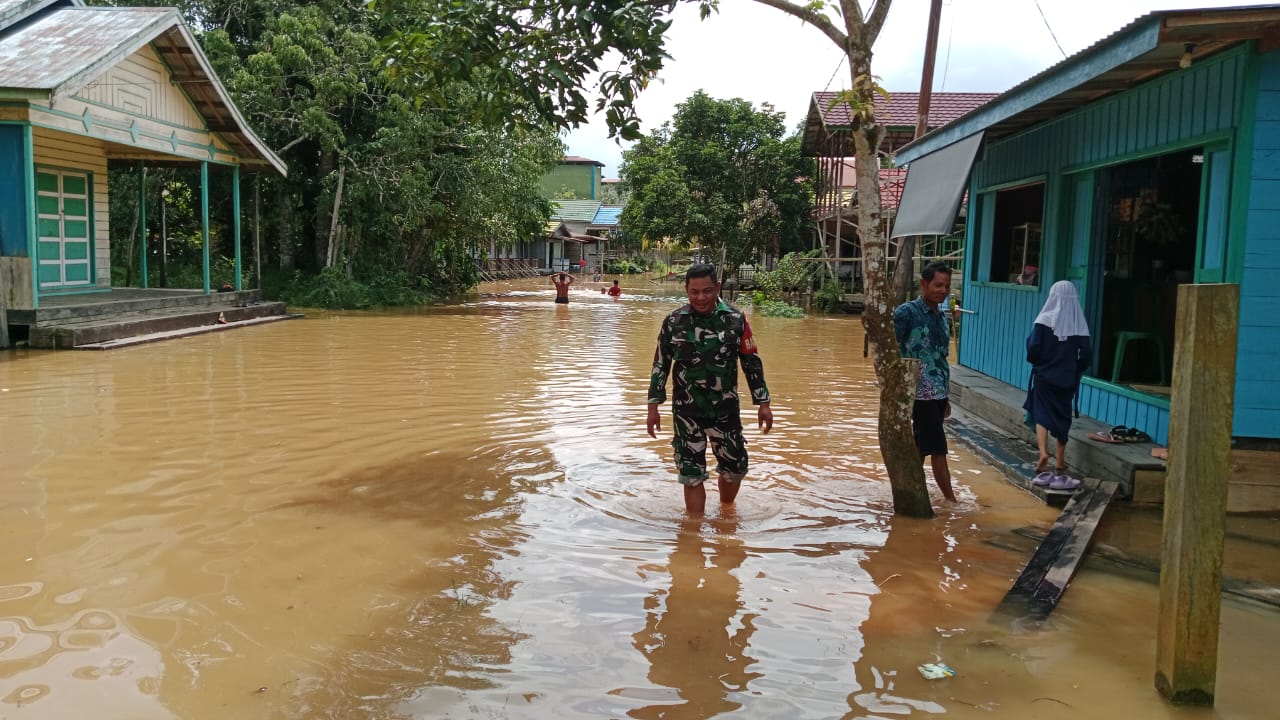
x=1062, y=313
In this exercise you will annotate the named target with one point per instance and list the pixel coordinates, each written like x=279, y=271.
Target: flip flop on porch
x=1105, y=437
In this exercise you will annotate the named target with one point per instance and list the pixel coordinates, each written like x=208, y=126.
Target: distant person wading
x=562, y=281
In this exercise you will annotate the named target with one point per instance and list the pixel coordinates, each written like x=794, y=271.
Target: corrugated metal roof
x=14, y=11
x=63, y=49
x=1146, y=48
x=575, y=210
x=59, y=46
x=607, y=216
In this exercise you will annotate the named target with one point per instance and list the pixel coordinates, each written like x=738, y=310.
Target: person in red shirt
x=615, y=291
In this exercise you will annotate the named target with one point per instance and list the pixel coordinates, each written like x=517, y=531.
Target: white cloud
x=760, y=54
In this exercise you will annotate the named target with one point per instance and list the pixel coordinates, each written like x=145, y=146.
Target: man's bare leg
x=695, y=498
x=942, y=476
x=728, y=489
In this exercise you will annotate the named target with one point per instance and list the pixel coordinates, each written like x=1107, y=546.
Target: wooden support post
x=235, y=212
x=142, y=222
x=204, y=221
x=1195, y=505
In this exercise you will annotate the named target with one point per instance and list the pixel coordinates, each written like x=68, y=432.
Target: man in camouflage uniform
x=705, y=340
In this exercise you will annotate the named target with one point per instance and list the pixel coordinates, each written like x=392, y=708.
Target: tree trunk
x=284, y=227
x=335, y=228
x=896, y=376
x=324, y=224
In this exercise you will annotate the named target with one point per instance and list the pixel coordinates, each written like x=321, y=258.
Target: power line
x=1051, y=34
x=946, y=64
x=839, y=64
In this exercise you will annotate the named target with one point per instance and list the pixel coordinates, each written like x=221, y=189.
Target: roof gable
x=63, y=49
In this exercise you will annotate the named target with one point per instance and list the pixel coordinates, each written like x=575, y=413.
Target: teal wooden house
x=1149, y=160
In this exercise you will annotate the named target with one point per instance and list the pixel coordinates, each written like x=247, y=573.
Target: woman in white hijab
x=1059, y=351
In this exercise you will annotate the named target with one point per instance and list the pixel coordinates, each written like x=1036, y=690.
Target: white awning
x=935, y=184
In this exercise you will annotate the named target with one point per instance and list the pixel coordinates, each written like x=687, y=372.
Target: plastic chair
x=1123, y=338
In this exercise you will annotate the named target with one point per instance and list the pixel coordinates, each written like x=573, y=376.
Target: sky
x=762, y=55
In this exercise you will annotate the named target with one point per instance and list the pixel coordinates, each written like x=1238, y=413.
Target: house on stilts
x=828, y=138
x=83, y=89
x=1147, y=161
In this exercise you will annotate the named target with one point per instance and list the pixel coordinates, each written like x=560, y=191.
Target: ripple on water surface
x=456, y=512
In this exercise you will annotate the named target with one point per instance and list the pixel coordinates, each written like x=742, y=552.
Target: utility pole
x=926, y=75
x=904, y=269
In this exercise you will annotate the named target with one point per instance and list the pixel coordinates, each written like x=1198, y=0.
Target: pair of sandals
x=1056, y=480
x=1121, y=434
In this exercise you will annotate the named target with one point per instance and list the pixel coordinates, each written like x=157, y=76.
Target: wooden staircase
x=112, y=320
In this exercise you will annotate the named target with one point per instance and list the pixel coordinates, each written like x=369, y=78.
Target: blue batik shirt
x=925, y=334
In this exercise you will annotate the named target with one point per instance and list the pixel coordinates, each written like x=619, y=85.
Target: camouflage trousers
x=727, y=444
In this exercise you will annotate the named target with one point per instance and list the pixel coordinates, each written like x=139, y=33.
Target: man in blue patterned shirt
x=924, y=333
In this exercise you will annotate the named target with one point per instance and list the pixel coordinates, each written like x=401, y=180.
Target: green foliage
x=777, y=308
x=424, y=186
x=791, y=274
x=332, y=289
x=533, y=57
x=625, y=266
x=720, y=175
x=827, y=298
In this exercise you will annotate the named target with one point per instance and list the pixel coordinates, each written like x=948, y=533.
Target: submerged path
x=455, y=512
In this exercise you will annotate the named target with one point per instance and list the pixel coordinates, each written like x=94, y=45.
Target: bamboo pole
x=1195, y=505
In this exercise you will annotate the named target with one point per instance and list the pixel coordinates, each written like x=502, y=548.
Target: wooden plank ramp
x=1045, y=578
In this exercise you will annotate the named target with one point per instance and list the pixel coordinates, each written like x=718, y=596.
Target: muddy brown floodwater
x=455, y=512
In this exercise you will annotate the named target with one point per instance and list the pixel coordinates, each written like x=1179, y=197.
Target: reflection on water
x=456, y=512
x=693, y=637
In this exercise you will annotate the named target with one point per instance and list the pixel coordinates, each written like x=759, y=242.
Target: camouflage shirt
x=925, y=333
x=706, y=350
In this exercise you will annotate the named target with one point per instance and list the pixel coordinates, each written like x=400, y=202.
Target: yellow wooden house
x=82, y=87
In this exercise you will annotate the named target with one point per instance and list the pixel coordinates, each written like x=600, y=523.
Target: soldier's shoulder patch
x=747, y=345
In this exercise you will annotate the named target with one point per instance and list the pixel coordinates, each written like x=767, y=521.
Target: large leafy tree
x=720, y=175
x=543, y=54
x=386, y=186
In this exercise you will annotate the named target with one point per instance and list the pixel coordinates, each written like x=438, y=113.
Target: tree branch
x=812, y=17
x=875, y=21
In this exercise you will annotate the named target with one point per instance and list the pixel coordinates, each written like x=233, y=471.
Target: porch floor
x=1001, y=435
x=120, y=317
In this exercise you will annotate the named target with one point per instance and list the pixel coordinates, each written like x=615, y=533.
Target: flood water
x=455, y=512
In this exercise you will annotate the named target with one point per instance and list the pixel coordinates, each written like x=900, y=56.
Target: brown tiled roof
x=899, y=110
x=892, y=180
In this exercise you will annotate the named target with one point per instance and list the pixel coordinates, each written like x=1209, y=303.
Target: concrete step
x=184, y=332
x=103, y=328
x=101, y=305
